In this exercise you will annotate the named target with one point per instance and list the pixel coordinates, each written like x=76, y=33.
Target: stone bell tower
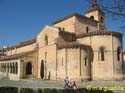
x=96, y=13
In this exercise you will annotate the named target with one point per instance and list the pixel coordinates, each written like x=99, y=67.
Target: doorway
x=42, y=69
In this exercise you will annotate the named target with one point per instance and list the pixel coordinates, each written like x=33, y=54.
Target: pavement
x=38, y=83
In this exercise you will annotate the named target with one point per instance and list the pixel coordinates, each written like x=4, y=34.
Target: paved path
x=59, y=84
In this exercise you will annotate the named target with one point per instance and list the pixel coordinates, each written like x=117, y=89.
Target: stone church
x=77, y=46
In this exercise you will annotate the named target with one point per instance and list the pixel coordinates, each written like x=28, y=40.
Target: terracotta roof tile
x=70, y=45
x=23, y=44
x=103, y=32
x=16, y=55
x=67, y=36
x=78, y=16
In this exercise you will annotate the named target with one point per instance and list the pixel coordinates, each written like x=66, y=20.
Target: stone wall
x=71, y=63
x=61, y=68
x=98, y=16
x=48, y=52
x=82, y=26
x=48, y=55
x=104, y=69
x=26, y=48
x=68, y=24
x=33, y=59
x=77, y=25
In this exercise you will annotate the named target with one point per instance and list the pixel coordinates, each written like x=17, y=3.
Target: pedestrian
x=66, y=82
x=70, y=83
x=74, y=86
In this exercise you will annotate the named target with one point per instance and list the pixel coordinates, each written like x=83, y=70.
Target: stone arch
x=16, y=68
x=5, y=67
x=2, y=67
x=28, y=68
x=11, y=68
x=8, y=68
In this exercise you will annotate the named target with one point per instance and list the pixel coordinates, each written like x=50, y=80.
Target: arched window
x=102, y=54
x=28, y=68
x=92, y=17
x=46, y=40
x=87, y=29
x=118, y=53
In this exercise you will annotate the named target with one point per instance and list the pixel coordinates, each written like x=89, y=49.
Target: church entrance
x=42, y=69
x=28, y=68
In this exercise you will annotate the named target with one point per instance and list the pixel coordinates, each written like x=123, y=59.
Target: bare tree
x=114, y=8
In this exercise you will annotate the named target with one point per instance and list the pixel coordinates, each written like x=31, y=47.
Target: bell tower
x=96, y=13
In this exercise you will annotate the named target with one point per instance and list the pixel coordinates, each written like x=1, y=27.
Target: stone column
x=20, y=69
x=19, y=88
x=7, y=69
x=35, y=90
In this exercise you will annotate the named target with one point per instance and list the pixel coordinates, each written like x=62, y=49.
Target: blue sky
x=22, y=20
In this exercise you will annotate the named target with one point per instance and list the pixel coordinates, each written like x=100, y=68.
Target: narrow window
x=85, y=61
x=87, y=29
x=118, y=53
x=46, y=40
x=102, y=54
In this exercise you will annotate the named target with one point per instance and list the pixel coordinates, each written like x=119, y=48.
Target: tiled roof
x=103, y=32
x=86, y=19
x=15, y=56
x=23, y=44
x=70, y=45
x=67, y=36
